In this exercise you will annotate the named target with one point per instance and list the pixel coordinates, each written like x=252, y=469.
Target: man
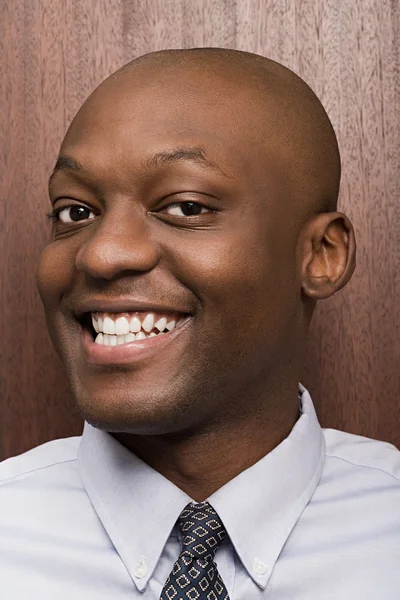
x=195, y=228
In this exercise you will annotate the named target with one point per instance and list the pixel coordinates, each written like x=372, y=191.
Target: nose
x=117, y=244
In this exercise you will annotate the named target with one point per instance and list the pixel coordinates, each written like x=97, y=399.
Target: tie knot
x=202, y=530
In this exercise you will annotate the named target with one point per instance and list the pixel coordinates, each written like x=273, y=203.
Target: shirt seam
x=358, y=464
x=60, y=462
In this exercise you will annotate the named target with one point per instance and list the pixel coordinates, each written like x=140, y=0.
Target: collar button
x=259, y=567
x=141, y=569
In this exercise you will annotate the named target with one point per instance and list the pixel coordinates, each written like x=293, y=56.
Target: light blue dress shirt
x=318, y=518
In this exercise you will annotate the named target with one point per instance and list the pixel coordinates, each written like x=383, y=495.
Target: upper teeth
x=122, y=324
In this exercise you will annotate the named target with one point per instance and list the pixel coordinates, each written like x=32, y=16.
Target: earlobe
x=328, y=248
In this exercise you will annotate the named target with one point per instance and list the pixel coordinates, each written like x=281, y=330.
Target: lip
x=121, y=305
x=97, y=354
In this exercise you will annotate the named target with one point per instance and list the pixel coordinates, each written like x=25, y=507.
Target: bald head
x=273, y=104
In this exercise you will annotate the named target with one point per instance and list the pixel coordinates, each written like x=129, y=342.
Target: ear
x=327, y=254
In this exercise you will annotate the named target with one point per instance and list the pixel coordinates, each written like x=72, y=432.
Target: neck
x=201, y=462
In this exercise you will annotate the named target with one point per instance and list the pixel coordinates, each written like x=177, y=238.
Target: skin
x=250, y=271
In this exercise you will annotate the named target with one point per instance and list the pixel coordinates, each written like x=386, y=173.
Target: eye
x=73, y=214
x=186, y=209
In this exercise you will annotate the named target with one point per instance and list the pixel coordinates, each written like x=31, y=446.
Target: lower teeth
x=116, y=340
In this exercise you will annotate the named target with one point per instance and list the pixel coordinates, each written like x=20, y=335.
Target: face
x=171, y=216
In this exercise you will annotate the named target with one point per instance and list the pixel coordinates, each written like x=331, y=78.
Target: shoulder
x=358, y=453
x=46, y=521
x=44, y=458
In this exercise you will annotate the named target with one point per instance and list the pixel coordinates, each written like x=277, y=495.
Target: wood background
x=54, y=52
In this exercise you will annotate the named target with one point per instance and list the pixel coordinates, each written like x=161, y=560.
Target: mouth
x=110, y=338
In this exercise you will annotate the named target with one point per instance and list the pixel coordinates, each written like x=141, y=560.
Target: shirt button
x=141, y=569
x=259, y=567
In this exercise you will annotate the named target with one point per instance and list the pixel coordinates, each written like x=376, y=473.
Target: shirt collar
x=259, y=507
x=137, y=506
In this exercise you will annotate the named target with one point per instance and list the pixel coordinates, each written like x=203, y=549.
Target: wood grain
x=53, y=54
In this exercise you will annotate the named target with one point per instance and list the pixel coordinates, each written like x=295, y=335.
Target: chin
x=123, y=413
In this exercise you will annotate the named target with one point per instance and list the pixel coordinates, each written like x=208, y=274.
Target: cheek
x=222, y=270
x=54, y=274
x=247, y=286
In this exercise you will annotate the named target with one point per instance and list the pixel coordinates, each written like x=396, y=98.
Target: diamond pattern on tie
x=195, y=575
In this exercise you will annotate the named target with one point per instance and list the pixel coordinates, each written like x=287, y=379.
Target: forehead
x=131, y=118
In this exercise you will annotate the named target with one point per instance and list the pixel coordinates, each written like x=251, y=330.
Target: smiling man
x=194, y=229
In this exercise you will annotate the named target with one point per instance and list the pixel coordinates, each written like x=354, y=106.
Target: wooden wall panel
x=53, y=54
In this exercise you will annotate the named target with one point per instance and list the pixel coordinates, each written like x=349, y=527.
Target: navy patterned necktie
x=194, y=575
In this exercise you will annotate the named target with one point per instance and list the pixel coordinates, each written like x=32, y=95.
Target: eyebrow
x=66, y=163
x=196, y=155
